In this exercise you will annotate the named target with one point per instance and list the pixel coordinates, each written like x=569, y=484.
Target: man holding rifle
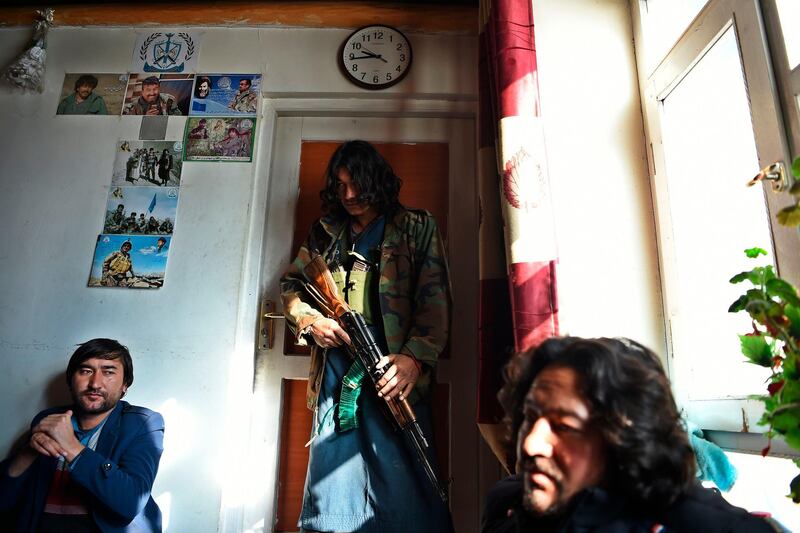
x=388, y=263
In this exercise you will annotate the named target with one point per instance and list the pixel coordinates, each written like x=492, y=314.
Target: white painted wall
x=54, y=180
x=189, y=340
x=608, y=282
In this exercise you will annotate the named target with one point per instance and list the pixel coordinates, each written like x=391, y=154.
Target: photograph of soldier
x=226, y=94
x=246, y=99
x=219, y=139
x=92, y=94
x=158, y=94
x=133, y=262
x=141, y=211
x=118, y=266
x=147, y=163
x=164, y=166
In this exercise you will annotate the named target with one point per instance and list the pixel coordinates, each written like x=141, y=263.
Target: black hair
x=86, y=79
x=372, y=176
x=200, y=81
x=101, y=349
x=649, y=459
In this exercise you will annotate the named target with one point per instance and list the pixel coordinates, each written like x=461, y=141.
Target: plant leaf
x=796, y=167
x=739, y=305
x=792, y=312
x=756, y=349
x=789, y=216
x=768, y=272
x=791, y=393
x=786, y=421
x=755, y=252
x=784, y=290
x=743, y=276
x=792, y=438
x=790, y=369
x=795, y=189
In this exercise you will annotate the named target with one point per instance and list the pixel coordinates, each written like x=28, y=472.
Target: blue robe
x=365, y=479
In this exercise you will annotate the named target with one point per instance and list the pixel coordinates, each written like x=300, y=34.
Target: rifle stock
x=323, y=289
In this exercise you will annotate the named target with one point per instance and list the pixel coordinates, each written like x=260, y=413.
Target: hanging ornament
x=27, y=71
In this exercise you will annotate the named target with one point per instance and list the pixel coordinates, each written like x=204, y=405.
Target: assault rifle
x=363, y=347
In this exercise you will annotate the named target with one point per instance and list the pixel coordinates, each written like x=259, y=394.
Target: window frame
x=723, y=417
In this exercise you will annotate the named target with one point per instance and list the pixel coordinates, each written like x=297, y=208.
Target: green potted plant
x=774, y=307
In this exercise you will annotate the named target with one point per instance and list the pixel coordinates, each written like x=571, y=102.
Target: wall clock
x=375, y=57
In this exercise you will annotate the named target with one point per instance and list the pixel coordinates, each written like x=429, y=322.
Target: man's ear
x=124, y=391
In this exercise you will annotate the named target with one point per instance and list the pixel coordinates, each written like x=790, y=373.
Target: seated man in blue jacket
x=89, y=466
x=600, y=447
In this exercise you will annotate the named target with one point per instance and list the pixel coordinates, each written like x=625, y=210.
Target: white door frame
x=246, y=500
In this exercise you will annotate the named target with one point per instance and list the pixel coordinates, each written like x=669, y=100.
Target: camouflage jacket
x=166, y=106
x=413, y=291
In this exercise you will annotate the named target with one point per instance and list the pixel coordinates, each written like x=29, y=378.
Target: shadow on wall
x=56, y=393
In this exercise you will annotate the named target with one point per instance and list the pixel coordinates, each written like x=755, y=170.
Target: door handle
x=774, y=173
x=266, y=324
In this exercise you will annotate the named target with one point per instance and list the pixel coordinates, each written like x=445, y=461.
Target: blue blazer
x=118, y=475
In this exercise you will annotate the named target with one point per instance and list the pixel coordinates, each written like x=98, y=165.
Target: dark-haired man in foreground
x=89, y=466
x=600, y=446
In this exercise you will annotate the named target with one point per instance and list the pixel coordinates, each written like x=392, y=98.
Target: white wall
x=608, y=280
x=54, y=177
x=54, y=181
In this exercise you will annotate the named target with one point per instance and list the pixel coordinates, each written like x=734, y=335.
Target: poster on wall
x=219, y=139
x=92, y=94
x=147, y=163
x=130, y=261
x=141, y=210
x=226, y=94
x=158, y=94
x=166, y=51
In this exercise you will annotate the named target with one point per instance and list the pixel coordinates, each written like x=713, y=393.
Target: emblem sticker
x=166, y=51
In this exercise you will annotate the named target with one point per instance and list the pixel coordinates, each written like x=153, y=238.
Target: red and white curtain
x=518, y=301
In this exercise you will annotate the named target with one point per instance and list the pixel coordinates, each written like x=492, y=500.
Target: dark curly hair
x=373, y=177
x=649, y=458
x=86, y=79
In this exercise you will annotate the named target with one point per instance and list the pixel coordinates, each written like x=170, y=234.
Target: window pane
x=762, y=485
x=789, y=12
x=710, y=154
x=663, y=22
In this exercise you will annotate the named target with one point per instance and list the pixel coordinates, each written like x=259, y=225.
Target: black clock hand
x=373, y=54
x=362, y=57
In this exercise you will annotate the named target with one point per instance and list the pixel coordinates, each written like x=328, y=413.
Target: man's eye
x=566, y=429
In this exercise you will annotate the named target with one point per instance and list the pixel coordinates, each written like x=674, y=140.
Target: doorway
x=435, y=159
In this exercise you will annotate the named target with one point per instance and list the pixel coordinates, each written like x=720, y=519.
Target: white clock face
x=376, y=57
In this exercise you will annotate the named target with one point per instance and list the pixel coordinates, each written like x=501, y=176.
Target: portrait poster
x=130, y=261
x=219, y=139
x=92, y=94
x=158, y=94
x=141, y=210
x=147, y=163
x=226, y=94
x=166, y=51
